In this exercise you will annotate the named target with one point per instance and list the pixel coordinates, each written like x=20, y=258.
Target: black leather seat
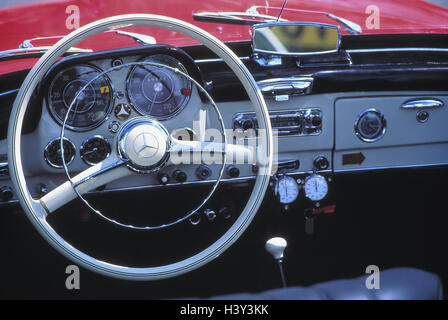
x=395, y=284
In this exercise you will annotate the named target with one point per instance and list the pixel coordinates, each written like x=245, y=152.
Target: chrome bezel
x=135, y=105
x=292, y=23
x=294, y=183
x=81, y=148
x=51, y=164
x=383, y=124
x=315, y=176
x=74, y=128
x=122, y=135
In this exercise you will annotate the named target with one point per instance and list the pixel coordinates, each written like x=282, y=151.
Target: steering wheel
x=38, y=210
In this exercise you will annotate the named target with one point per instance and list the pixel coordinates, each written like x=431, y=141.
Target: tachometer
x=93, y=103
x=157, y=91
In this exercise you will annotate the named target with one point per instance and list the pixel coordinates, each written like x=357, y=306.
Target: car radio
x=301, y=122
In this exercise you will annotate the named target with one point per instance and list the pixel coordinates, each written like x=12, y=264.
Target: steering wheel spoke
x=191, y=152
x=87, y=180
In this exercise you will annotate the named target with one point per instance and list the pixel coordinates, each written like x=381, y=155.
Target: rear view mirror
x=295, y=38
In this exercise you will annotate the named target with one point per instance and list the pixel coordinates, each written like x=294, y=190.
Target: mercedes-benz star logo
x=145, y=145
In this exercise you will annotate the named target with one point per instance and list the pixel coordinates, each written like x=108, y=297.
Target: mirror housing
x=295, y=38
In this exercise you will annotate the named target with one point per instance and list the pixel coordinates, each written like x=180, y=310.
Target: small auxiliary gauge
x=52, y=152
x=316, y=187
x=287, y=189
x=94, y=150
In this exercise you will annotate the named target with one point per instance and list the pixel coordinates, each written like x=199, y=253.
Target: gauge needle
x=91, y=151
x=152, y=104
x=315, y=186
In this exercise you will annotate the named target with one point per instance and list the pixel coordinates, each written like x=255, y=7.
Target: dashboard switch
x=163, y=178
x=316, y=120
x=233, y=172
x=6, y=193
x=179, y=176
x=321, y=163
x=203, y=172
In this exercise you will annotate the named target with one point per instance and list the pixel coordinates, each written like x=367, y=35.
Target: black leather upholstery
x=395, y=284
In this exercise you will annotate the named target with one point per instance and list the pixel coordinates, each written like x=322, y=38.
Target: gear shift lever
x=276, y=246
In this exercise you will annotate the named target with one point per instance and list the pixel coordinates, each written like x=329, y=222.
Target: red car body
x=43, y=19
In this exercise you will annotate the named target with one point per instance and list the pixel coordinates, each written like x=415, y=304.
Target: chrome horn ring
x=130, y=158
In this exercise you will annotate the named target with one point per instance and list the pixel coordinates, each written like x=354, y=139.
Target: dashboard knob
x=6, y=193
x=321, y=163
x=179, y=176
x=233, y=172
x=163, y=178
x=248, y=124
x=203, y=172
x=316, y=120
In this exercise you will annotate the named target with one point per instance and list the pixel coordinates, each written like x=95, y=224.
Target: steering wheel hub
x=144, y=143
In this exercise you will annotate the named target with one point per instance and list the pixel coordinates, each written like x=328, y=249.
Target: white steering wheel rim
x=36, y=212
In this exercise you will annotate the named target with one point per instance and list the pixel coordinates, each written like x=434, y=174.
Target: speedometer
x=92, y=104
x=157, y=91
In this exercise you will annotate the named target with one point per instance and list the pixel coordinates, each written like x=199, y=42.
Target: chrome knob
x=276, y=246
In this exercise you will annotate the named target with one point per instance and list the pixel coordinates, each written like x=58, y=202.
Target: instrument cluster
x=87, y=91
x=84, y=95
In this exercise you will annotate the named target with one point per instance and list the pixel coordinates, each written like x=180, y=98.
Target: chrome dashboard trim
x=41, y=50
x=422, y=103
x=211, y=60
x=4, y=170
x=298, y=85
x=6, y=93
x=396, y=50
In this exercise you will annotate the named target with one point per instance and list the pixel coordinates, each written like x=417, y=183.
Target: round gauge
x=94, y=150
x=316, y=187
x=288, y=189
x=92, y=104
x=370, y=125
x=157, y=91
x=52, y=152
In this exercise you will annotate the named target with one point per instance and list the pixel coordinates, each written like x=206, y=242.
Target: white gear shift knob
x=276, y=246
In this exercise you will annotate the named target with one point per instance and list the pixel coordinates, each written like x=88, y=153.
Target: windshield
x=22, y=20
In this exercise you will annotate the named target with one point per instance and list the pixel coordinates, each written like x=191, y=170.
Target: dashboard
x=323, y=126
